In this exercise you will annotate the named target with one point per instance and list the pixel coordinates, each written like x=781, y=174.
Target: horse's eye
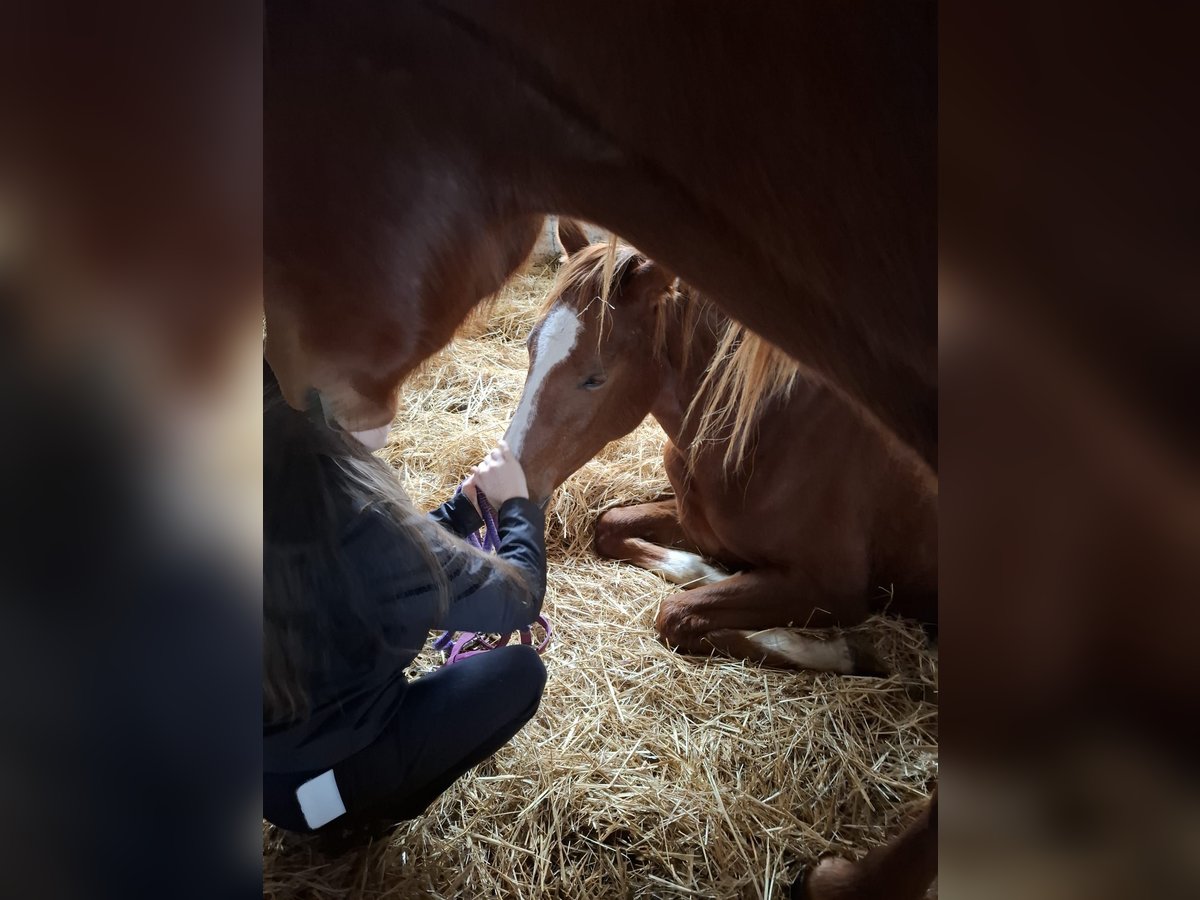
x=592, y=382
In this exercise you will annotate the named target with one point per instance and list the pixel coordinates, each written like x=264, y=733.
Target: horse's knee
x=677, y=625
x=609, y=536
x=832, y=878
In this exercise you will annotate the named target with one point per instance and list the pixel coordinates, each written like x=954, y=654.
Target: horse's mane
x=744, y=375
x=592, y=273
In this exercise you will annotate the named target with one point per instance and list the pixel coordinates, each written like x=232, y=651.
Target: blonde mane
x=743, y=377
x=592, y=273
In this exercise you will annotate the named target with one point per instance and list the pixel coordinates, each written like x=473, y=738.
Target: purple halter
x=470, y=643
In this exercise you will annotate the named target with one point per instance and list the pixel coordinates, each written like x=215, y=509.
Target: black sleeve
x=457, y=516
x=488, y=597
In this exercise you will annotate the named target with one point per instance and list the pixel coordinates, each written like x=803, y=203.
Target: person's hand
x=472, y=491
x=499, y=476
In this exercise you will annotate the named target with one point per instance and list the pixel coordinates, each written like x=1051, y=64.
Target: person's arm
x=484, y=593
x=488, y=597
x=458, y=515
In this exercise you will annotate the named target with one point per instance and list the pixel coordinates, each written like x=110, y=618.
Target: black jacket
x=364, y=682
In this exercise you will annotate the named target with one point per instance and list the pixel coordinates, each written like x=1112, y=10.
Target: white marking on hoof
x=682, y=567
x=786, y=646
x=559, y=332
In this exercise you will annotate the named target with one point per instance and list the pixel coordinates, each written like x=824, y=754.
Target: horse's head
x=594, y=367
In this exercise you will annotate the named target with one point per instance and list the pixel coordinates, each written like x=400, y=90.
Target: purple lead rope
x=491, y=531
x=469, y=643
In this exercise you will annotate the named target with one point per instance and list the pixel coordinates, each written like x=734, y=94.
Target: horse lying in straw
x=412, y=149
x=776, y=477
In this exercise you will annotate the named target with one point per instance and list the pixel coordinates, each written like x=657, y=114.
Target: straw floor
x=645, y=773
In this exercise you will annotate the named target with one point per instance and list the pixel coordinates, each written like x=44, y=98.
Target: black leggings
x=449, y=721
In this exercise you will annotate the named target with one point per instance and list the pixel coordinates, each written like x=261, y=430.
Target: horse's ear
x=649, y=281
x=571, y=236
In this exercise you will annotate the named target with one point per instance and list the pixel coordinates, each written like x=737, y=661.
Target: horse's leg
x=754, y=615
x=902, y=869
x=649, y=536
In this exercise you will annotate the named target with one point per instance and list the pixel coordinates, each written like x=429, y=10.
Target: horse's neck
x=691, y=340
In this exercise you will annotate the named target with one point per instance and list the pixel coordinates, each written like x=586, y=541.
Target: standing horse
x=778, y=156
x=811, y=505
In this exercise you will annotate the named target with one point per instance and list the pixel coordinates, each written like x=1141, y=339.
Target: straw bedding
x=645, y=773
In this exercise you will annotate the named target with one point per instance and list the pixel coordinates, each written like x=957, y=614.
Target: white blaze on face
x=555, y=341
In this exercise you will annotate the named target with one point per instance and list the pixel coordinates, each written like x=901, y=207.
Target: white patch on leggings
x=787, y=645
x=682, y=567
x=320, y=800
x=560, y=330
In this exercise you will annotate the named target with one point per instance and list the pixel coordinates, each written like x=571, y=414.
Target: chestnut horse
x=780, y=157
x=819, y=511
